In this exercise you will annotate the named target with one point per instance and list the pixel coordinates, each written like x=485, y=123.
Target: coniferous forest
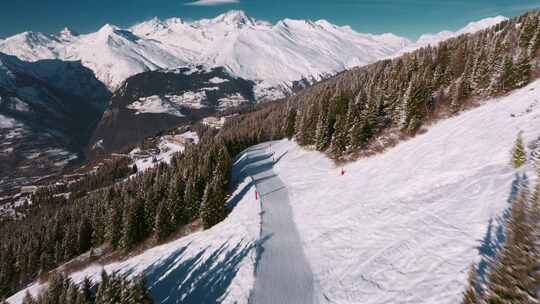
x=358, y=112
x=111, y=288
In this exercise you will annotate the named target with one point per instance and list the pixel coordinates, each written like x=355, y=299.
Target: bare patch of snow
x=154, y=104
x=232, y=100
x=217, y=80
x=7, y=122
x=193, y=100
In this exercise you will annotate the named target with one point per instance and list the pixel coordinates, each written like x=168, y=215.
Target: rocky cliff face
x=48, y=110
x=154, y=101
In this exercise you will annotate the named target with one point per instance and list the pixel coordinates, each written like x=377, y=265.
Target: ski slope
x=282, y=274
x=400, y=227
x=404, y=226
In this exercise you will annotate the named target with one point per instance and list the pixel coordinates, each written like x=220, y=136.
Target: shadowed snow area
x=400, y=227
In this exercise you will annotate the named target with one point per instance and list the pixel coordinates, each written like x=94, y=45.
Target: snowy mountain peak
x=289, y=51
x=68, y=32
x=470, y=28
x=234, y=17
x=435, y=39
x=174, y=20
x=31, y=37
x=107, y=29
x=482, y=24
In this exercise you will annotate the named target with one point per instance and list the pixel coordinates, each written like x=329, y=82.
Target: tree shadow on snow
x=198, y=279
x=238, y=197
x=494, y=237
x=250, y=167
x=281, y=156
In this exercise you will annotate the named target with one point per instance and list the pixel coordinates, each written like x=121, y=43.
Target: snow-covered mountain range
x=273, y=55
x=434, y=39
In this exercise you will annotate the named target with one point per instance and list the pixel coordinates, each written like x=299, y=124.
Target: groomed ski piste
x=403, y=226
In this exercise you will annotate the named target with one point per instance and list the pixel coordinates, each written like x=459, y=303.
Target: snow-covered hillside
x=274, y=55
x=399, y=227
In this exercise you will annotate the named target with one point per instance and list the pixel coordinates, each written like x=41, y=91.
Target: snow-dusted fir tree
x=519, y=154
x=522, y=70
x=456, y=95
x=403, y=107
x=471, y=295
x=481, y=77
x=213, y=203
x=340, y=139
x=528, y=30
x=514, y=277
x=509, y=76
x=290, y=125
x=162, y=225
x=322, y=133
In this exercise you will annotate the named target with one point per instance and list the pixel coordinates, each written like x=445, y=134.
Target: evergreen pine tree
x=163, y=226
x=322, y=134
x=84, y=235
x=213, y=203
x=291, y=121
x=527, y=32
x=87, y=295
x=28, y=299
x=522, y=71
x=139, y=292
x=471, y=296
x=135, y=227
x=340, y=138
x=519, y=155
x=509, y=75
x=514, y=277
x=115, y=227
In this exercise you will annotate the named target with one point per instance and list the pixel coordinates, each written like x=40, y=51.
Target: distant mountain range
x=272, y=55
x=55, y=89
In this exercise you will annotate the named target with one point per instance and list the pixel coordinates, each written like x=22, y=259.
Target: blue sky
x=408, y=18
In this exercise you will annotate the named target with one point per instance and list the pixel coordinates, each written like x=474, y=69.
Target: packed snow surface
x=404, y=226
x=399, y=227
x=282, y=273
x=273, y=55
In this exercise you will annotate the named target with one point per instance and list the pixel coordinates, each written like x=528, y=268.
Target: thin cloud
x=212, y=2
